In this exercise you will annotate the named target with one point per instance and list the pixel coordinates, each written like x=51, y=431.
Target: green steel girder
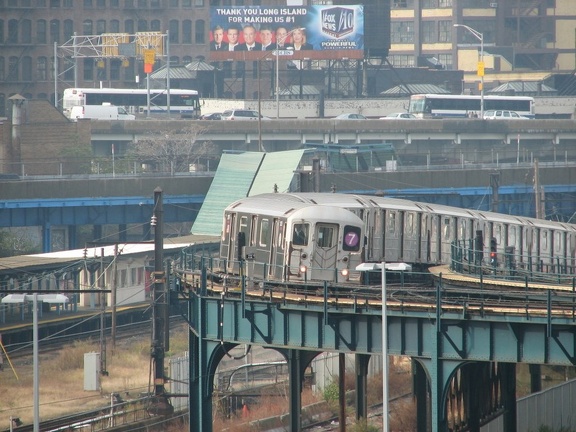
x=501, y=338
x=441, y=342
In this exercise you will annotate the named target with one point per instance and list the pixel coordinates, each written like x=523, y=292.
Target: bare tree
x=174, y=150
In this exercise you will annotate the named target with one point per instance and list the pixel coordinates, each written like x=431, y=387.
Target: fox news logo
x=338, y=22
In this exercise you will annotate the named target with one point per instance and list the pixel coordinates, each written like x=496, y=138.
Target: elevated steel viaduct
x=470, y=140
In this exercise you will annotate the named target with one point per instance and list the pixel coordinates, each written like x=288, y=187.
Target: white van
x=100, y=112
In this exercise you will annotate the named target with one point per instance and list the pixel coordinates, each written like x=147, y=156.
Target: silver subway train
x=325, y=236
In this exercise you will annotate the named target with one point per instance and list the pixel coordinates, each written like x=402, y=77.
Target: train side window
x=300, y=234
x=264, y=232
x=557, y=241
x=326, y=236
x=352, y=236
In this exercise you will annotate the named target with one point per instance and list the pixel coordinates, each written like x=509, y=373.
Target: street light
x=383, y=266
x=480, y=68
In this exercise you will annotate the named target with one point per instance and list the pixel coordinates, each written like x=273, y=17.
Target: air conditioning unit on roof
x=494, y=5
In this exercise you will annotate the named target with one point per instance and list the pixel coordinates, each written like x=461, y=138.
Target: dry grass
x=61, y=379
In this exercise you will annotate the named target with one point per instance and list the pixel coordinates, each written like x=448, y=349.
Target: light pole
x=480, y=68
x=383, y=266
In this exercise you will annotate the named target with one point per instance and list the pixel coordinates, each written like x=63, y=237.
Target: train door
x=425, y=233
x=299, y=245
x=393, y=226
x=527, y=246
x=325, y=252
x=376, y=252
x=571, y=251
x=559, y=249
x=410, y=237
x=276, y=263
x=545, y=250
x=435, y=239
x=514, y=244
x=448, y=228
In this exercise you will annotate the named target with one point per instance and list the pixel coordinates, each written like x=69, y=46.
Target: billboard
x=320, y=32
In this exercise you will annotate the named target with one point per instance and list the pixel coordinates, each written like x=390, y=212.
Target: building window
x=402, y=60
x=13, y=69
x=41, y=68
x=1, y=31
x=174, y=60
x=187, y=31
x=129, y=26
x=186, y=3
x=115, y=66
x=446, y=60
x=402, y=32
x=41, y=31
x=67, y=3
x=12, y=32
x=26, y=31
x=55, y=31
x=2, y=75
x=88, y=69
x=445, y=3
x=114, y=26
x=54, y=3
x=445, y=31
x=155, y=3
x=100, y=27
x=41, y=3
x=87, y=27
x=115, y=4
x=87, y=4
x=200, y=32
x=155, y=25
x=428, y=31
x=101, y=4
x=198, y=3
x=68, y=68
x=26, y=68
x=174, y=3
x=142, y=3
x=186, y=59
x=142, y=25
x=68, y=29
x=173, y=28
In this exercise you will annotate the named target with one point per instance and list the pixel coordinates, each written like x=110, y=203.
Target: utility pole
x=160, y=343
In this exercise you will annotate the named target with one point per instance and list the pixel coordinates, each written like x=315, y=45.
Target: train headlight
x=303, y=269
x=345, y=272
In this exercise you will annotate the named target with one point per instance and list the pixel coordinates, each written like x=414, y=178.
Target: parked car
x=399, y=116
x=242, y=114
x=350, y=116
x=502, y=115
x=212, y=116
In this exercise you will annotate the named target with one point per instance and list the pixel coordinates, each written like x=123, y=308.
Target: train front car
x=280, y=238
x=324, y=243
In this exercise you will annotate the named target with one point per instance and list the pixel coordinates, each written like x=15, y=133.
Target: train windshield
x=300, y=235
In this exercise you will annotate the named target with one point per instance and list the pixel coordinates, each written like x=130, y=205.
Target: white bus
x=185, y=102
x=446, y=106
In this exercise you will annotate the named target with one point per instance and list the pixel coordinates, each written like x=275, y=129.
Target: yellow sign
x=480, y=68
x=149, y=56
